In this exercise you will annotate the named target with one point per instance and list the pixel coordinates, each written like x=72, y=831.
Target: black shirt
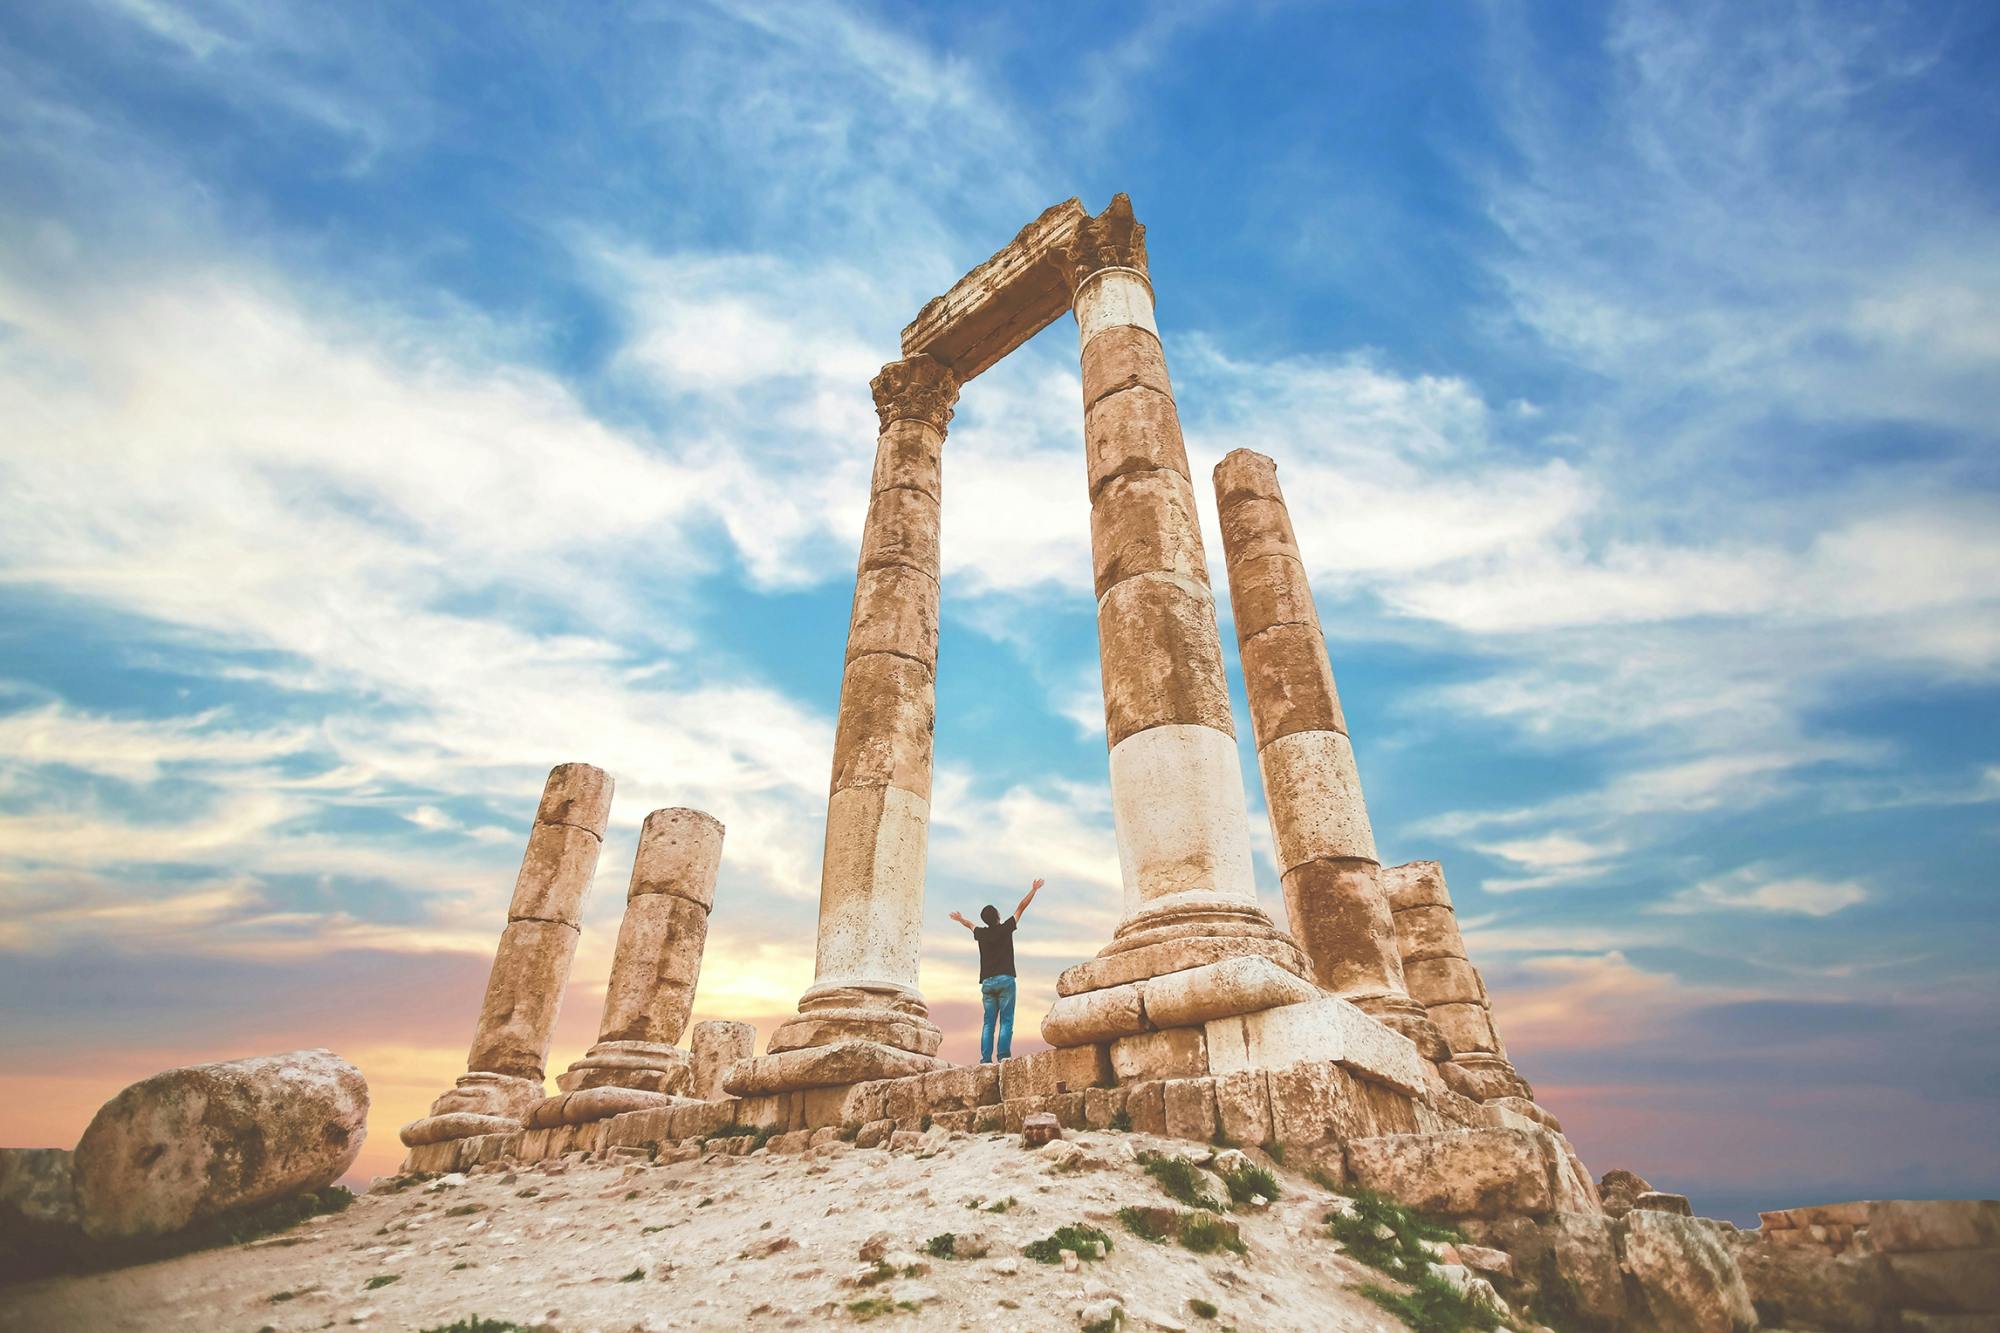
x=996, y=949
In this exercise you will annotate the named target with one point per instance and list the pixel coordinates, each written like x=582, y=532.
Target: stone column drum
x=1176, y=783
x=871, y=895
x=635, y=1061
x=1326, y=853
x=503, y=1082
x=1447, y=984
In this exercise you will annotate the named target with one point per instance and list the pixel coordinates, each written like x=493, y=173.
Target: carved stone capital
x=917, y=389
x=1112, y=239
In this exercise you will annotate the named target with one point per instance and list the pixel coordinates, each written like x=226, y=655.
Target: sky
x=398, y=401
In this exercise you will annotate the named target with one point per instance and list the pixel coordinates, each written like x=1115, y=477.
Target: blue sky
x=402, y=400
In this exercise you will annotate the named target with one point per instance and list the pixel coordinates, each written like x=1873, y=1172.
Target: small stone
x=876, y=1246
x=1482, y=1260
x=1100, y=1314
x=1069, y=1261
x=971, y=1245
x=905, y=1140
x=1039, y=1128
x=770, y=1245
x=908, y=1263
x=916, y=1293
x=874, y=1134
x=1007, y=1267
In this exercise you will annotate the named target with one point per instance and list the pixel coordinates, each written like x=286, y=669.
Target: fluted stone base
x=830, y=1066
x=642, y=1065
x=480, y=1103
x=885, y=1015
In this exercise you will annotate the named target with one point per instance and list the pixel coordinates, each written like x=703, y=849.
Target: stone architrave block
x=1174, y=1053
x=1190, y=1108
x=1146, y=1104
x=1483, y=1173
x=1243, y=1105
x=1059, y=1069
x=1327, y=1028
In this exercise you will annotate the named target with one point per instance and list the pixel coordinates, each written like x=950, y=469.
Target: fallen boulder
x=202, y=1140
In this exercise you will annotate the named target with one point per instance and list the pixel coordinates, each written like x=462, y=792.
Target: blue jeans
x=998, y=994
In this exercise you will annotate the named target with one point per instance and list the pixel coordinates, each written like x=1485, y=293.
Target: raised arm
x=1022, y=910
x=963, y=922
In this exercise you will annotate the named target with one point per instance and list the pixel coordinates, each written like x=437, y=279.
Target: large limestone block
x=901, y=529
x=1898, y=1225
x=1428, y=932
x=1190, y=1108
x=1113, y=298
x=578, y=794
x=1344, y=926
x=1290, y=683
x=1161, y=658
x=1255, y=528
x=1689, y=1279
x=1144, y=523
x=1124, y=356
x=679, y=853
x=823, y=1067
x=523, y=996
x=1415, y=884
x=1579, y=1249
x=907, y=457
x=871, y=886
x=1058, y=1070
x=1317, y=810
x=1269, y=590
x=201, y=1140
x=965, y=1088
x=1462, y=1173
x=1170, y=955
x=1177, y=814
x=1243, y=1105
x=1095, y=1016
x=887, y=717
x=1317, y=1102
x=650, y=994
x=1320, y=1029
x=1237, y=986
x=1444, y=981
x=895, y=611
x=555, y=874
x=1175, y=1053
x=1133, y=430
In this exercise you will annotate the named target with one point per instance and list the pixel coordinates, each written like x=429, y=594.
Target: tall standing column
x=1327, y=861
x=1176, y=782
x=1444, y=980
x=871, y=895
x=504, y=1070
x=657, y=963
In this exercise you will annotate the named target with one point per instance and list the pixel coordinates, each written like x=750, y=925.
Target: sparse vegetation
x=1121, y=1123
x=280, y=1297
x=477, y=1325
x=874, y=1307
x=647, y=1231
x=1179, y=1177
x=1048, y=1250
x=1204, y=1233
x=877, y=1275
x=465, y=1210
x=463, y=1263
x=636, y=1275
x=381, y=1280
x=1203, y=1309
x=999, y=1205
x=1323, y=1178
x=1246, y=1181
x=941, y=1246
x=1221, y=1139
x=1141, y=1223
x=1401, y=1253
x=1433, y=1306
x=1273, y=1149
x=706, y=1200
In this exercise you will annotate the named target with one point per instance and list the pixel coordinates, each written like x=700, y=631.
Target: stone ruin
x=1356, y=1037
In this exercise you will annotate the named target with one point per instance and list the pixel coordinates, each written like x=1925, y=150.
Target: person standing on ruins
x=996, y=973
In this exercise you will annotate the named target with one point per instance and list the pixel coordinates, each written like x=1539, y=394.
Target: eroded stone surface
x=1688, y=1278
x=714, y=1045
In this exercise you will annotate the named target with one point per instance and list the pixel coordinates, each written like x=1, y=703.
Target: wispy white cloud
x=1755, y=889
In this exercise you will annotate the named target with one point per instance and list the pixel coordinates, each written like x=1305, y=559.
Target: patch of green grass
x=1273, y=1149
x=941, y=1246
x=877, y=1275
x=1323, y=1178
x=465, y=1210
x=1139, y=1221
x=381, y=1280
x=1221, y=1139
x=1178, y=1177
x=874, y=1307
x=1203, y=1309
x=1245, y=1181
x=999, y=1205
x=636, y=1275
x=1204, y=1233
x=1121, y=1123
x=1433, y=1306
x=477, y=1325
x=1401, y=1253
x=1048, y=1250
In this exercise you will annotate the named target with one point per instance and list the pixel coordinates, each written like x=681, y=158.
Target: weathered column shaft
x=1176, y=783
x=524, y=990
x=878, y=809
x=657, y=962
x=1444, y=980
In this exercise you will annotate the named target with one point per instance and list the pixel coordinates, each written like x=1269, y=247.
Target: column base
x=1398, y=1011
x=881, y=1014
x=641, y=1065
x=1186, y=998
x=828, y=1066
x=480, y=1103
x=589, y=1105
x=1182, y=932
x=1484, y=1077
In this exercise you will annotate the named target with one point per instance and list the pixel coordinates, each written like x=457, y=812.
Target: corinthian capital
x=918, y=389
x=1112, y=239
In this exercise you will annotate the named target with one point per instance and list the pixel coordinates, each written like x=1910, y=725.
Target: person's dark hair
x=990, y=914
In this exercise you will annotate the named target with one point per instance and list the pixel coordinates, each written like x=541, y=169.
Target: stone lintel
x=1003, y=302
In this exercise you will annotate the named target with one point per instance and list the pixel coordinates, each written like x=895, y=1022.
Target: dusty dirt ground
x=720, y=1242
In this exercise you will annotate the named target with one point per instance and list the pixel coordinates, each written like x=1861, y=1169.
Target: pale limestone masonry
x=713, y=1046
x=502, y=1084
x=1325, y=844
x=635, y=1062
x=863, y=1016
x=1449, y=986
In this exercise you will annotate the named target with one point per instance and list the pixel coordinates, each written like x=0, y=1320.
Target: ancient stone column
x=503, y=1079
x=1319, y=820
x=871, y=895
x=635, y=1062
x=1176, y=782
x=1447, y=984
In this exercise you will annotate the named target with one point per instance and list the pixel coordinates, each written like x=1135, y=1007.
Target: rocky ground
x=725, y=1241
